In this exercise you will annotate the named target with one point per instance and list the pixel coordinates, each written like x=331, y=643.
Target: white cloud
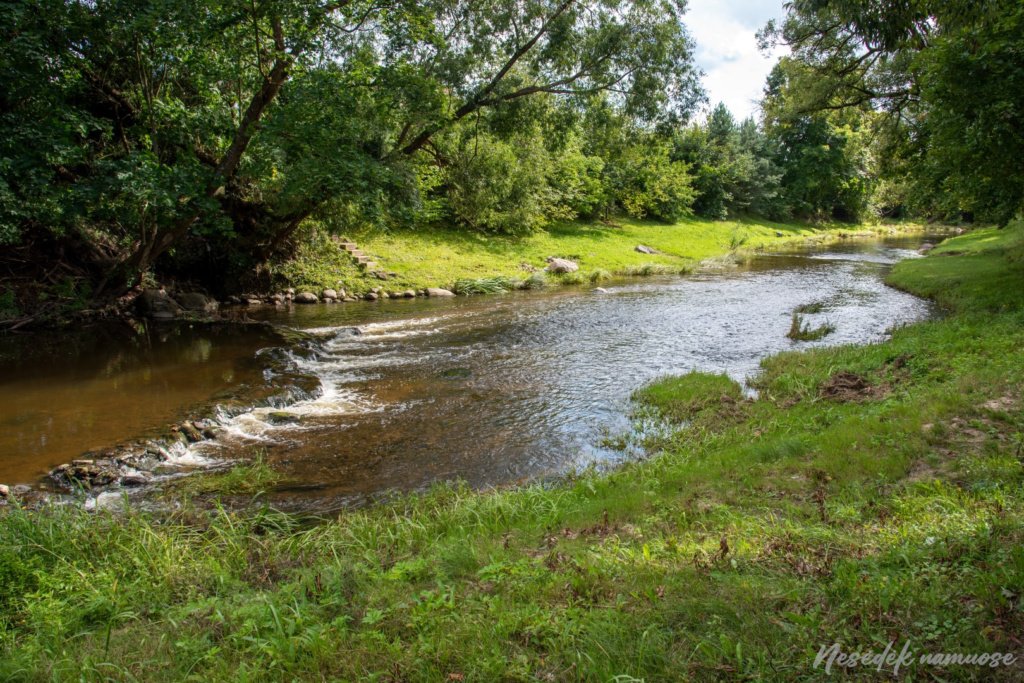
x=725, y=33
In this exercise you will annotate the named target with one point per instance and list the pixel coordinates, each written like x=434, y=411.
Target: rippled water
x=484, y=389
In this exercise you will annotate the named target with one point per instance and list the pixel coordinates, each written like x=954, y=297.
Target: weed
x=801, y=330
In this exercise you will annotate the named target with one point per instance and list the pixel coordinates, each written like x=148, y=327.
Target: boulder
x=329, y=294
x=277, y=298
x=409, y=294
x=925, y=248
x=643, y=249
x=280, y=417
x=5, y=491
x=306, y=298
x=438, y=292
x=253, y=302
x=157, y=304
x=195, y=301
x=190, y=432
x=561, y=265
x=371, y=296
x=134, y=479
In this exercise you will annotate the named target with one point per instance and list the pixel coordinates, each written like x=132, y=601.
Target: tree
x=948, y=75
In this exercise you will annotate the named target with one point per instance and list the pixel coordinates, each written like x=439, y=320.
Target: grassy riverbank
x=869, y=494
x=440, y=258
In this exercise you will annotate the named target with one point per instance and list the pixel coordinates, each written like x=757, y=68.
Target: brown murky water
x=484, y=389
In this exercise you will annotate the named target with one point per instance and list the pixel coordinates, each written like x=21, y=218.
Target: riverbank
x=454, y=259
x=405, y=264
x=868, y=494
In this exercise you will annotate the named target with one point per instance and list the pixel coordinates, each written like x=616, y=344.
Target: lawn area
x=866, y=495
x=439, y=257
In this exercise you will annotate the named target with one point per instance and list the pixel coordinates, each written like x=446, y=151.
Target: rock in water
x=190, y=432
x=157, y=304
x=5, y=492
x=306, y=298
x=437, y=291
x=925, y=248
x=561, y=265
x=600, y=290
x=194, y=301
x=329, y=294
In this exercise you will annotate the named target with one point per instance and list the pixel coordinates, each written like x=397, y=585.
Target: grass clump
x=649, y=269
x=680, y=398
x=598, y=276
x=245, y=478
x=487, y=285
x=801, y=330
x=574, y=278
x=811, y=308
x=536, y=280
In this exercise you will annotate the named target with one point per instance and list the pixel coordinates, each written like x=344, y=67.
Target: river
x=489, y=389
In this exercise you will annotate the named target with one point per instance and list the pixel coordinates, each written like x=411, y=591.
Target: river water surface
x=488, y=390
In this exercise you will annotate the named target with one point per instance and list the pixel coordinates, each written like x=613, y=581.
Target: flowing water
x=488, y=390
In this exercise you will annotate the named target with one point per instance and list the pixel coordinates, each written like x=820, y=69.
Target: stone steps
x=364, y=262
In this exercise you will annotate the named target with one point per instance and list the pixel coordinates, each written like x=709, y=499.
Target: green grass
x=801, y=330
x=759, y=530
x=439, y=257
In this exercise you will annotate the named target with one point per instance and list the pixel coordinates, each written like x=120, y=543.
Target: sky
x=734, y=69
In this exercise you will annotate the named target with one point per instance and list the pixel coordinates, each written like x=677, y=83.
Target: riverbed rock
x=5, y=491
x=157, y=304
x=438, y=292
x=370, y=296
x=925, y=248
x=561, y=265
x=133, y=479
x=409, y=294
x=329, y=294
x=85, y=473
x=197, y=302
x=644, y=249
x=600, y=290
x=253, y=302
x=191, y=432
x=306, y=298
x=280, y=417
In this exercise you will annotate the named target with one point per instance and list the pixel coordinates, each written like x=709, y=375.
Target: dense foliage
x=194, y=138
x=132, y=128
x=948, y=78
